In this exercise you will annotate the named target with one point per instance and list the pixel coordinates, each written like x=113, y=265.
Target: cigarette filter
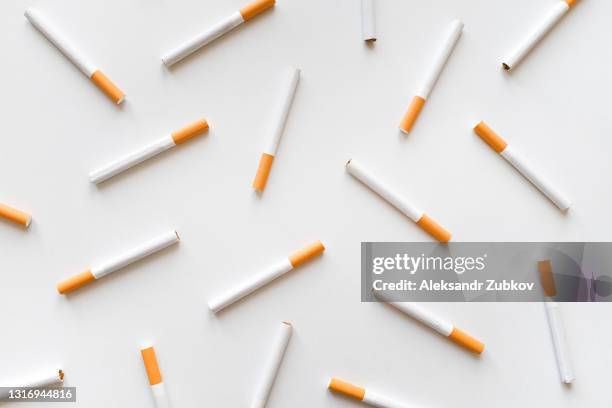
x=15, y=215
x=155, y=379
x=553, y=313
x=45, y=378
x=368, y=21
x=90, y=70
x=267, y=157
x=222, y=27
x=535, y=36
x=515, y=159
x=428, y=224
x=415, y=107
x=180, y=136
x=364, y=395
x=438, y=324
x=118, y=262
x=265, y=277
x=272, y=366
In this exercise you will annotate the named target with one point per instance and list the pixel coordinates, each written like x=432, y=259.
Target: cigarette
x=155, y=379
x=416, y=105
x=272, y=366
x=368, y=21
x=265, y=277
x=45, y=378
x=366, y=396
x=551, y=19
x=118, y=262
x=427, y=223
x=153, y=149
x=15, y=215
x=436, y=323
x=515, y=159
x=224, y=26
x=555, y=323
x=267, y=157
x=90, y=70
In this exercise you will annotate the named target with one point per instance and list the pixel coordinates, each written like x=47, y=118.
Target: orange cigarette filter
x=150, y=363
x=15, y=215
x=546, y=278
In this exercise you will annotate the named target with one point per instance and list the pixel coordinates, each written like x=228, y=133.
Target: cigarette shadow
x=141, y=264
x=141, y=167
x=218, y=42
x=14, y=226
x=263, y=289
x=441, y=339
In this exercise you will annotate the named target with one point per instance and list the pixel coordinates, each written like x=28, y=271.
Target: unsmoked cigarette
x=272, y=366
x=48, y=30
x=224, y=26
x=521, y=165
x=118, y=262
x=274, y=271
x=426, y=223
x=539, y=32
x=155, y=378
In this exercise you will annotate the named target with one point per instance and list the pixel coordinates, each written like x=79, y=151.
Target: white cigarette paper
x=368, y=20
x=534, y=37
x=272, y=366
x=421, y=314
x=135, y=254
x=99, y=271
x=222, y=27
x=444, y=52
x=126, y=162
x=559, y=342
x=541, y=183
x=45, y=378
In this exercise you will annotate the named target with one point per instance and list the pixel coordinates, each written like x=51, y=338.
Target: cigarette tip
x=476, y=124
x=120, y=100
x=28, y=221
x=458, y=23
x=61, y=374
x=146, y=346
x=329, y=382
x=505, y=66
x=177, y=235
x=348, y=162
x=287, y=323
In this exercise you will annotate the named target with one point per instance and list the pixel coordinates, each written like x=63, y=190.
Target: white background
x=57, y=126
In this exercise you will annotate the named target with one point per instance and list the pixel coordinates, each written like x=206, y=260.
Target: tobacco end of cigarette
x=253, y=9
x=346, y=388
x=505, y=66
x=75, y=282
x=348, y=162
x=106, y=86
x=307, y=253
x=190, y=131
x=465, y=340
x=414, y=109
x=490, y=137
x=263, y=172
x=434, y=229
x=287, y=323
x=150, y=363
x=177, y=235
x=60, y=374
x=546, y=278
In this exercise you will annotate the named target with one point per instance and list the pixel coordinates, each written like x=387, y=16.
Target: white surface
x=56, y=124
